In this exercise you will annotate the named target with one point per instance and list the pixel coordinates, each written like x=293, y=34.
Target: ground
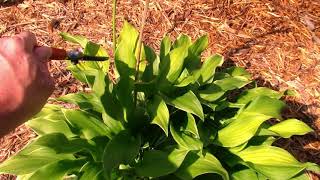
x=277, y=41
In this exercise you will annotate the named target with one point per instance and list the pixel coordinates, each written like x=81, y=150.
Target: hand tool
x=74, y=56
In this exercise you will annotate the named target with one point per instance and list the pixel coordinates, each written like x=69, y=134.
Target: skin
x=25, y=82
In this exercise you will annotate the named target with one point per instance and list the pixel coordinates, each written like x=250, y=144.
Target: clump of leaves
x=175, y=121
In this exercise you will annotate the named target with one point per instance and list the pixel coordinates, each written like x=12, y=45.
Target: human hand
x=25, y=82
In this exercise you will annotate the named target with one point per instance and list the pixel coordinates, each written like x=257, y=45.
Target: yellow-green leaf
x=198, y=164
x=290, y=127
x=188, y=102
x=208, y=68
x=159, y=113
x=273, y=162
x=156, y=163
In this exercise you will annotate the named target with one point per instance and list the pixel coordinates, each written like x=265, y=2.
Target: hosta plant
x=173, y=118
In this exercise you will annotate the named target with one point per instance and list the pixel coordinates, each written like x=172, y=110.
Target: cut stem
x=143, y=22
x=114, y=35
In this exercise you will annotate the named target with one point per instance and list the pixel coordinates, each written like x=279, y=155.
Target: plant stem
x=114, y=35
x=143, y=22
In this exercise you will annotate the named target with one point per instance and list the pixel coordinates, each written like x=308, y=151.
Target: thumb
x=42, y=53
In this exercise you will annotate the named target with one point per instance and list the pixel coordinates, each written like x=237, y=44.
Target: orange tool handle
x=58, y=54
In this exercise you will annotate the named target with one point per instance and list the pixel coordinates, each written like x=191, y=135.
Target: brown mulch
x=278, y=41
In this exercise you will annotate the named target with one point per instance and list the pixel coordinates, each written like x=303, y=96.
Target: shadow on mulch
x=305, y=148
x=10, y=3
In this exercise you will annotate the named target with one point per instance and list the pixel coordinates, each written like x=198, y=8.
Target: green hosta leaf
x=157, y=163
x=197, y=164
x=122, y=149
x=92, y=171
x=232, y=83
x=159, y=113
x=291, y=92
x=207, y=132
x=243, y=128
x=251, y=94
x=244, y=174
x=301, y=176
x=101, y=84
x=30, y=159
x=165, y=47
x=313, y=167
x=24, y=177
x=111, y=105
x=91, y=49
x=85, y=101
x=238, y=148
x=125, y=58
x=211, y=93
x=188, y=102
x=175, y=66
x=193, y=61
x=187, y=78
x=57, y=170
x=86, y=123
x=75, y=39
x=191, y=126
x=83, y=73
x=94, y=49
x=114, y=126
x=199, y=45
x=124, y=92
x=290, y=127
x=208, y=68
x=267, y=106
x=262, y=140
x=273, y=162
x=60, y=144
x=205, y=74
x=182, y=41
x=219, y=87
x=249, y=120
x=185, y=141
x=50, y=120
x=237, y=71
x=152, y=69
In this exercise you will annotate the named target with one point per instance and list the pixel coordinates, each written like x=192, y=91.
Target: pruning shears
x=74, y=56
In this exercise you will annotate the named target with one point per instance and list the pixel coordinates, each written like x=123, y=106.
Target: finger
x=42, y=53
x=45, y=79
x=29, y=40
